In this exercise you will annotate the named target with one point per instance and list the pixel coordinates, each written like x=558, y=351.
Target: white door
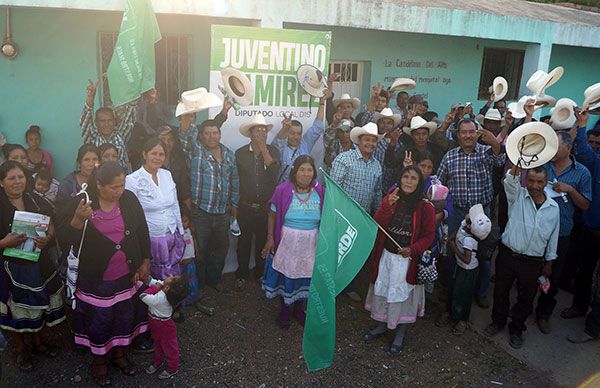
x=351, y=77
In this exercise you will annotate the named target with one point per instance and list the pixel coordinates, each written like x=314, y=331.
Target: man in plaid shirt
x=103, y=128
x=467, y=172
x=215, y=196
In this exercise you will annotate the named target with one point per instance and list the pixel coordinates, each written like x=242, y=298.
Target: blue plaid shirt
x=360, y=179
x=469, y=176
x=215, y=185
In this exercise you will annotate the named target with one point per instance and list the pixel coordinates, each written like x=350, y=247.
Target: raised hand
x=407, y=159
x=337, y=117
x=82, y=213
x=91, y=92
x=582, y=117
x=529, y=107
x=375, y=90
x=394, y=135
x=486, y=136
x=287, y=120
x=393, y=197
x=332, y=78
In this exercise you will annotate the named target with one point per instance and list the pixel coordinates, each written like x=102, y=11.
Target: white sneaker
x=165, y=374
x=152, y=369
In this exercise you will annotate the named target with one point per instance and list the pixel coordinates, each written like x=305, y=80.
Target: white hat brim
x=245, y=128
x=357, y=132
x=430, y=125
x=211, y=101
x=567, y=123
x=354, y=101
x=248, y=97
x=396, y=117
x=592, y=100
x=315, y=92
x=499, y=81
x=543, y=129
x=403, y=84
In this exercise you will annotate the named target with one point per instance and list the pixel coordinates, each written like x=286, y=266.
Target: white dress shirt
x=159, y=202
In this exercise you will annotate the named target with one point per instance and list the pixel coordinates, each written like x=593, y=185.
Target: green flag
x=132, y=68
x=346, y=237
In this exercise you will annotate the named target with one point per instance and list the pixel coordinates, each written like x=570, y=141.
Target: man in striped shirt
x=103, y=128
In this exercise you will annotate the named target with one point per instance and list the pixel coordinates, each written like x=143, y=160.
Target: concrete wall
x=58, y=52
x=46, y=83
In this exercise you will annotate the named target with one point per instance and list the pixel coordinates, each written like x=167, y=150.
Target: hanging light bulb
x=8, y=48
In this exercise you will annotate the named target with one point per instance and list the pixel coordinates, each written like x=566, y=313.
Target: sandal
x=24, y=361
x=124, y=365
x=100, y=374
x=45, y=350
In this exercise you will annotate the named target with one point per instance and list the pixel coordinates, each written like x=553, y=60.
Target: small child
x=45, y=186
x=437, y=195
x=475, y=227
x=188, y=264
x=162, y=298
x=188, y=267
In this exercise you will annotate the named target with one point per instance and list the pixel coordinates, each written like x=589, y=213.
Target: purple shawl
x=282, y=198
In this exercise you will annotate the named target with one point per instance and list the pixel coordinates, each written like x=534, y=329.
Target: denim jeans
x=212, y=234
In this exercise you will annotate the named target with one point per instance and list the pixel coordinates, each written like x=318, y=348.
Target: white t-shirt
x=465, y=240
x=158, y=305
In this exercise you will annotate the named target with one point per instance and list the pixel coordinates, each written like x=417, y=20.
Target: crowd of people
x=143, y=222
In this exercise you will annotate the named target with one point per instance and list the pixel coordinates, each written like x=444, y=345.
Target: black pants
x=253, y=224
x=592, y=321
x=547, y=302
x=590, y=253
x=511, y=267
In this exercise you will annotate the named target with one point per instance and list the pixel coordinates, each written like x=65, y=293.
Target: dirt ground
x=241, y=345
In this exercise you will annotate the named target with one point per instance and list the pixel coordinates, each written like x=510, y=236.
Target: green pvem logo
x=347, y=239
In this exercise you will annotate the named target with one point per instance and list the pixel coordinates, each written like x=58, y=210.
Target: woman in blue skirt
x=293, y=228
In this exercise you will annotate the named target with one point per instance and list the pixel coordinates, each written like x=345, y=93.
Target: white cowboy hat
x=516, y=108
x=257, y=119
x=311, y=80
x=403, y=84
x=387, y=113
x=368, y=129
x=499, y=88
x=237, y=86
x=544, y=101
x=532, y=144
x=540, y=80
x=196, y=100
x=346, y=98
x=592, y=97
x=563, y=115
x=419, y=122
x=491, y=114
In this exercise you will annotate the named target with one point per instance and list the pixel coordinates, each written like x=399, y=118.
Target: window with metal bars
x=172, y=65
x=348, y=71
x=507, y=63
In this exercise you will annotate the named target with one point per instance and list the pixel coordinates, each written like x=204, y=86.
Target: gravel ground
x=242, y=346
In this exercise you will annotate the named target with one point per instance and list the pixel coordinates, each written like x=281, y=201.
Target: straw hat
x=592, y=97
x=402, y=84
x=257, y=119
x=531, y=144
x=544, y=101
x=346, y=98
x=419, y=122
x=368, y=129
x=196, y=100
x=237, y=86
x=499, y=88
x=311, y=80
x=540, y=80
x=387, y=113
x=516, y=108
x=563, y=115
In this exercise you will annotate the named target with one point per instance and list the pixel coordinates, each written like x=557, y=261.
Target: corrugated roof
x=519, y=8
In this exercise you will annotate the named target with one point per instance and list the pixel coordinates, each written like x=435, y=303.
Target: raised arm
x=86, y=121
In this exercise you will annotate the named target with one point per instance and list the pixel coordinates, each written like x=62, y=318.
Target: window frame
x=102, y=66
x=514, y=84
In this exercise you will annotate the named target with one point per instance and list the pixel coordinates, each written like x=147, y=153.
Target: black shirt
x=257, y=182
x=400, y=228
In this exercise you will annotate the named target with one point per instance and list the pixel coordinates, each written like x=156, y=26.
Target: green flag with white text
x=346, y=236
x=132, y=68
